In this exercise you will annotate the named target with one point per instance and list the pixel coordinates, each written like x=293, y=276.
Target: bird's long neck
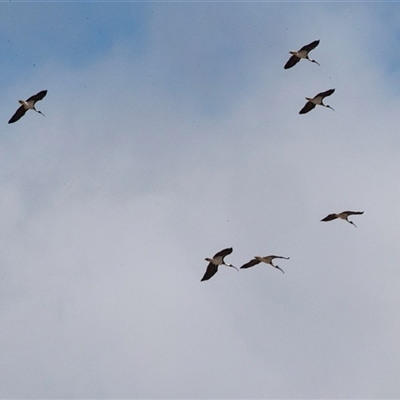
x=351, y=222
x=230, y=265
x=309, y=59
x=38, y=111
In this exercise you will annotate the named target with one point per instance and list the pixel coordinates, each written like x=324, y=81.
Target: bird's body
x=216, y=261
x=343, y=215
x=268, y=260
x=302, y=53
x=27, y=105
x=316, y=101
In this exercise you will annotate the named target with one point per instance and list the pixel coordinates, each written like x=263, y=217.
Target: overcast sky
x=172, y=131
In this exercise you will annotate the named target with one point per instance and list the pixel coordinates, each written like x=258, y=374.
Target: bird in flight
x=317, y=100
x=214, y=262
x=268, y=260
x=302, y=53
x=28, y=105
x=343, y=215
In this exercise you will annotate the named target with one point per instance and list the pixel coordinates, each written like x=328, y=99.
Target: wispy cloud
x=155, y=155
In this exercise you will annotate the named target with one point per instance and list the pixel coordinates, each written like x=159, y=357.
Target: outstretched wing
x=311, y=46
x=329, y=217
x=308, y=107
x=292, y=62
x=224, y=252
x=38, y=96
x=285, y=258
x=325, y=94
x=18, y=114
x=352, y=212
x=251, y=263
x=210, y=272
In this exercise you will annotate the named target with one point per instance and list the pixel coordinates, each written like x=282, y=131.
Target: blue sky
x=171, y=132
x=74, y=34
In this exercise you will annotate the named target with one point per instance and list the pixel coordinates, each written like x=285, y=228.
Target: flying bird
x=214, y=262
x=343, y=215
x=302, y=53
x=268, y=260
x=317, y=100
x=28, y=105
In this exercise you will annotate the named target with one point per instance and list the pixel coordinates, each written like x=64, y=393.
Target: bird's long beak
x=230, y=265
x=40, y=113
x=352, y=223
x=314, y=62
x=330, y=108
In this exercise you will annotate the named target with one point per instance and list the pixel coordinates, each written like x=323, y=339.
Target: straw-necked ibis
x=316, y=101
x=343, y=215
x=268, y=260
x=302, y=53
x=214, y=262
x=27, y=105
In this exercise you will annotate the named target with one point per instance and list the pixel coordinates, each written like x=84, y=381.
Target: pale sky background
x=171, y=132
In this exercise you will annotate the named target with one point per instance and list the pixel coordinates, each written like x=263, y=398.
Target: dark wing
x=311, y=46
x=210, y=272
x=38, y=96
x=353, y=212
x=18, y=114
x=224, y=252
x=292, y=62
x=251, y=263
x=308, y=107
x=285, y=258
x=325, y=94
x=329, y=217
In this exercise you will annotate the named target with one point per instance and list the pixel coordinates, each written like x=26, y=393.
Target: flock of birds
x=219, y=258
